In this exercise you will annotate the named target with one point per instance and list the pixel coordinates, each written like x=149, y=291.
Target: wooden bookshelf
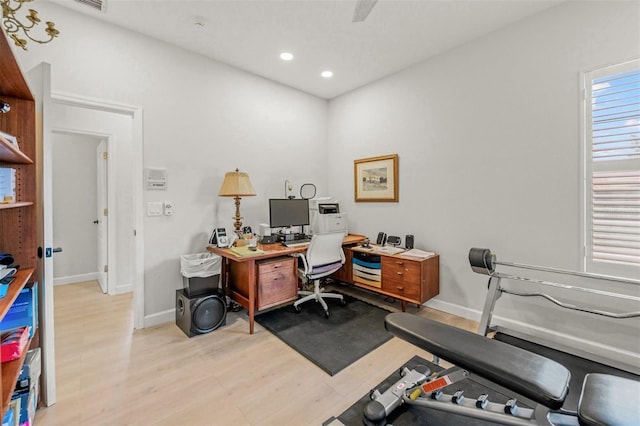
x=18, y=220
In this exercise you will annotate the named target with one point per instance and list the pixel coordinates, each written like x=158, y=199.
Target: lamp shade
x=236, y=184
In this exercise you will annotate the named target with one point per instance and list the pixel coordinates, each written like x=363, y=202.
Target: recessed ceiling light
x=286, y=56
x=327, y=74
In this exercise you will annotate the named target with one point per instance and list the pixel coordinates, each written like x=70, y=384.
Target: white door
x=101, y=213
x=40, y=83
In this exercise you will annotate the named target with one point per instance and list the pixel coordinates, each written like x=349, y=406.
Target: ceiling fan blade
x=363, y=8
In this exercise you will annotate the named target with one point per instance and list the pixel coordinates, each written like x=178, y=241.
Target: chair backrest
x=325, y=249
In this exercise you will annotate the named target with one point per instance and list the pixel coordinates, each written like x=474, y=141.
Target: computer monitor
x=288, y=212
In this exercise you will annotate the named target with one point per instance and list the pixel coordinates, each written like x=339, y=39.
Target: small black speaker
x=200, y=314
x=382, y=239
x=408, y=241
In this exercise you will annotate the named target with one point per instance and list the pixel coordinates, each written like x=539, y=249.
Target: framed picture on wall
x=376, y=178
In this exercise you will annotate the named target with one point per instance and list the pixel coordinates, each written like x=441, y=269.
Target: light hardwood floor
x=110, y=374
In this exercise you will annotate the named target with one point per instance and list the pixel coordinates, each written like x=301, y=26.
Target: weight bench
x=605, y=399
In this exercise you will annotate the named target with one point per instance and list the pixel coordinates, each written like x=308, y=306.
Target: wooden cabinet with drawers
x=408, y=279
x=277, y=282
x=411, y=280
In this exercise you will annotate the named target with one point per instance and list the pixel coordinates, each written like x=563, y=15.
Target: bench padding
x=609, y=400
x=533, y=376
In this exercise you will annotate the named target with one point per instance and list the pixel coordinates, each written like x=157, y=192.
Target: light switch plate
x=155, y=208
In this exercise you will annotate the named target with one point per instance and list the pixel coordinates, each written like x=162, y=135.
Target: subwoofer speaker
x=200, y=314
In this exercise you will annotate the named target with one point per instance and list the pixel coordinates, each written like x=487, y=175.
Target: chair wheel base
x=343, y=302
x=297, y=309
x=326, y=314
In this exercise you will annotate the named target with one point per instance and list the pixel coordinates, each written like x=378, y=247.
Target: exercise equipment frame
x=484, y=262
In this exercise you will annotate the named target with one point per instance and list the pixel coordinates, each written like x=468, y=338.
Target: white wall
x=201, y=119
x=74, y=207
x=488, y=137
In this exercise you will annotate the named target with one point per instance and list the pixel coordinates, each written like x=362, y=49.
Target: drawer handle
x=400, y=288
x=400, y=273
x=399, y=262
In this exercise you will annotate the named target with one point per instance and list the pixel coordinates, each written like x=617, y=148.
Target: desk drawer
x=277, y=264
x=401, y=277
x=402, y=289
x=401, y=270
x=277, y=282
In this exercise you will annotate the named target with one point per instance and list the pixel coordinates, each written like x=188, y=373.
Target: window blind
x=613, y=169
x=616, y=216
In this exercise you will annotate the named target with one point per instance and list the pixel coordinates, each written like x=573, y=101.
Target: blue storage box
x=24, y=310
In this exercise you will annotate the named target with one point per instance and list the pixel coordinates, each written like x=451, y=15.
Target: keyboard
x=297, y=243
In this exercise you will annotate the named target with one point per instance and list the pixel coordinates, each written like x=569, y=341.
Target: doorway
x=74, y=121
x=80, y=204
x=40, y=82
x=76, y=112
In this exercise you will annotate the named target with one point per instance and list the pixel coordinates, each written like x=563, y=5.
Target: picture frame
x=376, y=179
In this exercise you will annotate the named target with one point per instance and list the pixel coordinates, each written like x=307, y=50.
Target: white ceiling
x=250, y=35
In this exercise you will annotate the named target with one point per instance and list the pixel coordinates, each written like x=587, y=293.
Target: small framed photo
x=376, y=179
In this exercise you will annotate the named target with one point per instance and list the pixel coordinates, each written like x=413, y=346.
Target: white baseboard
x=160, y=318
x=454, y=309
x=72, y=279
x=123, y=288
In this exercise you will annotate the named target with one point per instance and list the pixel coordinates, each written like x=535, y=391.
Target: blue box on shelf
x=24, y=310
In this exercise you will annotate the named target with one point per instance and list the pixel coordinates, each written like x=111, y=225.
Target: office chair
x=324, y=256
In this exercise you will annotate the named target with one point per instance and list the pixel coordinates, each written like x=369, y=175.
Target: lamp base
x=237, y=218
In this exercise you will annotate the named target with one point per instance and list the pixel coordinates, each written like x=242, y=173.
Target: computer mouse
x=253, y=248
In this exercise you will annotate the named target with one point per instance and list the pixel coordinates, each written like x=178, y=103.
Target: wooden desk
x=243, y=287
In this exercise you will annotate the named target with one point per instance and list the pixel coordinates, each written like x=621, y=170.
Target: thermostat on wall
x=155, y=178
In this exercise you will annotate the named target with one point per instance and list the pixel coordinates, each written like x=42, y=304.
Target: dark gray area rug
x=333, y=343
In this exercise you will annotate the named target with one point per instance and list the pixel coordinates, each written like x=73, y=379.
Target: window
x=612, y=170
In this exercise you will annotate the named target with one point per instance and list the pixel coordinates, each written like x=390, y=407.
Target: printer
x=325, y=216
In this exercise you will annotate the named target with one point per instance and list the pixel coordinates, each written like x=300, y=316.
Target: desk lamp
x=236, y=184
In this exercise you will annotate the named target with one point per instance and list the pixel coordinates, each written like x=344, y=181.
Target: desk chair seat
x=324, y=256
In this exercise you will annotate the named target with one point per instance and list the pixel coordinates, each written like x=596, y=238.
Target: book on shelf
x=13, y=342
x=7, y=185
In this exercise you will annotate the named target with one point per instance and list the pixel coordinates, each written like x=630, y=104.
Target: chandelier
x=12, y=24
